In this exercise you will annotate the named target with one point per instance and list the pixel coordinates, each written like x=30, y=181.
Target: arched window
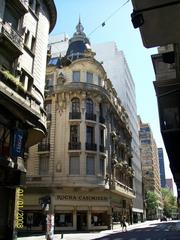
x=89, y=106
x=75, y=105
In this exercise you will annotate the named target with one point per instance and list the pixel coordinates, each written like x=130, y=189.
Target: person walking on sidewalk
x=124, y=225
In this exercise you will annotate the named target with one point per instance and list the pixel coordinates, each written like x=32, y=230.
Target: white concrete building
x=118, y=71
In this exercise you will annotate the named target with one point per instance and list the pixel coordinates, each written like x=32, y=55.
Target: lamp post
x=45, y=204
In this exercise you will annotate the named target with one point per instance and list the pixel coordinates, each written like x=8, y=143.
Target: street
x=150, y=230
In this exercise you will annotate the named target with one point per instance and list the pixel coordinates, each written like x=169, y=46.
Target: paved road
x=160, y=231
x=153, y=230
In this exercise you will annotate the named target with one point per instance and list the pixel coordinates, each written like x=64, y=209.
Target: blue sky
x=118, y=28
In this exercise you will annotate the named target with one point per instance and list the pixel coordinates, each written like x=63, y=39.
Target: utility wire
x=107, y=19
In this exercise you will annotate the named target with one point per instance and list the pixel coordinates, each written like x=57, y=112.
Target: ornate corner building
x=24, y=29
x=85, y=162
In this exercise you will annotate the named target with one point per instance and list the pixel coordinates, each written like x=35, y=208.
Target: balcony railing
x=74, y=115
x=101, y=148
x=91, y=116
x=101, y=119
x=11, y=34
x=43, y=147
x=74, y=146
x=91, y=146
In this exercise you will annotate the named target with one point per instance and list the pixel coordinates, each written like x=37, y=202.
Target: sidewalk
x=90, y=235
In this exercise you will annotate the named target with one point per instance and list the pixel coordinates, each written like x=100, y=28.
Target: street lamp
x=45, y=204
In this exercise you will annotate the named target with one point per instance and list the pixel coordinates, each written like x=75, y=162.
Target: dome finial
x=79, y=27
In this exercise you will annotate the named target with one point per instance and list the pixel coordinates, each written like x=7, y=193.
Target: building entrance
x=81, y=220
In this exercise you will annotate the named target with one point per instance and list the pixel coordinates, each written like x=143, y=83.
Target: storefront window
x=99, y=219
x=33, y=219
x=63, y=219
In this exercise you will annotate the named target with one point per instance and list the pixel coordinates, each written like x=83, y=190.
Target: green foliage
x=169, y=201
x=13, y=79
x=151, y=200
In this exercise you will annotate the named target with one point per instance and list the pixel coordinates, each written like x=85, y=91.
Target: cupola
x=79, y=46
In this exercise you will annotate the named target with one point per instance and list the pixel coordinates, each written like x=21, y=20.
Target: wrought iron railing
x=74, y=115
x=101, y=148
x=11, y=34
x=101, y=119
x=74, y=145
x=91, y=116
x=91, y=146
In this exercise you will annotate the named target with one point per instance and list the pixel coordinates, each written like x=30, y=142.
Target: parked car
x=163, y=218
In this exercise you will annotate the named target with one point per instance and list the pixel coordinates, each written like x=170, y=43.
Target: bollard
x=61, y=235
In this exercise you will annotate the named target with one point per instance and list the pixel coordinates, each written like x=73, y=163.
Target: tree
x=169, y=201
x=151, y=204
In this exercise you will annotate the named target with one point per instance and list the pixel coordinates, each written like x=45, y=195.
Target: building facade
x=116, y=67
x=161, y=166
x=150, y=167
x=85, y=162
x=24, y=29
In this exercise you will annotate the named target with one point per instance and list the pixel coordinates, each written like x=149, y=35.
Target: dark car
x=163, y=218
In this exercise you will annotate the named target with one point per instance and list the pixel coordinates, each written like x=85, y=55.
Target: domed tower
x=79, y=46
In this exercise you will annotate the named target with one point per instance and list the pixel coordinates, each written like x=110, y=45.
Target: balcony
x=10, y=40
x=22, y=5
x=74, y=145
x=91, y=116
x=91, y=146
x=125, y=190
x=43, y=147
x=74, y=115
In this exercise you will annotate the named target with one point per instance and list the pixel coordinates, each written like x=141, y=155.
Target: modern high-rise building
x=84, y=164
x=161, y=166
x=24, y=29
x=169, y=184
x=116, y=67
x=118, y=71
x=150, y=167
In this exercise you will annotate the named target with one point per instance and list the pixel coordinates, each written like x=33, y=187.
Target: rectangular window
x=64, y=219
x=74, y=165
x=76, y=76
x=33, y=41
x=90, y=135
x=102, y=137
x=48, y=110
x=74, y=133
x=101, y=167
x=26, y=38
x=90, y=165
x=43, y=165
x=89, y=77
x=11, y=17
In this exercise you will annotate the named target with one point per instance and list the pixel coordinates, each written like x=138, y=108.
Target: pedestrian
x=124, y=225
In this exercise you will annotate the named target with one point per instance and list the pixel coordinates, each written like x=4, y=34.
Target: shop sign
x=17, y=143
x=81, y=198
